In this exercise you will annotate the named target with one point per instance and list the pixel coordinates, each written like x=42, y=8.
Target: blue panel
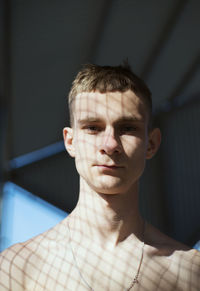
x=25, y=215
x=37, y=155
x=197, y=246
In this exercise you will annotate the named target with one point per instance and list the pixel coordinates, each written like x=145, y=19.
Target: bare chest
x=89, y=268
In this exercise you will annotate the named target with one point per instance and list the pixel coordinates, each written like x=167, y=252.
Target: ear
x=68, y=141
x=153, y=143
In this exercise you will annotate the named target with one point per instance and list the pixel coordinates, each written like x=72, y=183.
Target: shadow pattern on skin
x=99, y=245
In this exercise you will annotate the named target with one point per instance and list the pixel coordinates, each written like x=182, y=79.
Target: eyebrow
x=89, y=119
x=121, y=120
x=130, y=119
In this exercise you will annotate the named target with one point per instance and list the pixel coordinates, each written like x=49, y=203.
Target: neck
x=108, y=219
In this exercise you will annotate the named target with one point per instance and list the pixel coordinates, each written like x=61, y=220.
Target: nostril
x=109, y=143
x=110, y=148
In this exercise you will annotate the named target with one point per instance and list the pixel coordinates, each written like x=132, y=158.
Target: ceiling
x=49, y=40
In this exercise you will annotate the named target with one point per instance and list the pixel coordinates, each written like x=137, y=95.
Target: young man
x=105, y=244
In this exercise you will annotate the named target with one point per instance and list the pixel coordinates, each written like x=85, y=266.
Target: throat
x=106, y=226
x=107, y=219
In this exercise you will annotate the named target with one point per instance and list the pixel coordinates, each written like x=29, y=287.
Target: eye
x=128, y=129
x=92, y=129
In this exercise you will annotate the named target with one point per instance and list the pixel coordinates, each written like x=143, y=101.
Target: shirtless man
x=105, y=244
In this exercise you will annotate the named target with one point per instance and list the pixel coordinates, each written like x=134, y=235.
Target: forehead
x=112, y=105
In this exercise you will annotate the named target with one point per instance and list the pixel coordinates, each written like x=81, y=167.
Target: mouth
x=111, y=167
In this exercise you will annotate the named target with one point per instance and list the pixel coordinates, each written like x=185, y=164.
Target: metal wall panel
x=180, y=166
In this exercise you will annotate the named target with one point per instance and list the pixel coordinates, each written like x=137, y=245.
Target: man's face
x=110, y=140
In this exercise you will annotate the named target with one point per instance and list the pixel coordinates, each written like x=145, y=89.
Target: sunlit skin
x=110, y=142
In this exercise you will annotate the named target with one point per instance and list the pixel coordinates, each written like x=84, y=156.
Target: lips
x=109, y=166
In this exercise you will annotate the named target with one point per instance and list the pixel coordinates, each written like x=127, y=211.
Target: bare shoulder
x=180, y=263
x=23, y=260
x=162, y=242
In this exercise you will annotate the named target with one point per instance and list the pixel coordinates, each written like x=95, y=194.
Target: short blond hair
x=109, y=79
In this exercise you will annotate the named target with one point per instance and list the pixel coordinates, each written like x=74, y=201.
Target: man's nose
x=110, y=143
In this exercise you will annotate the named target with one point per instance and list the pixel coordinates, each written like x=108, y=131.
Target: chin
x=108, y=185
x=109, y=189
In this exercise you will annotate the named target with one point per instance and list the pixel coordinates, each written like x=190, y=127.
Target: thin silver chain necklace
x=135, y=280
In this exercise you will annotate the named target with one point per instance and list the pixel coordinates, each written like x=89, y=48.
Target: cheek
x=85, y=144
x=137, y=158
x=134, y=147
x=85, y=151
